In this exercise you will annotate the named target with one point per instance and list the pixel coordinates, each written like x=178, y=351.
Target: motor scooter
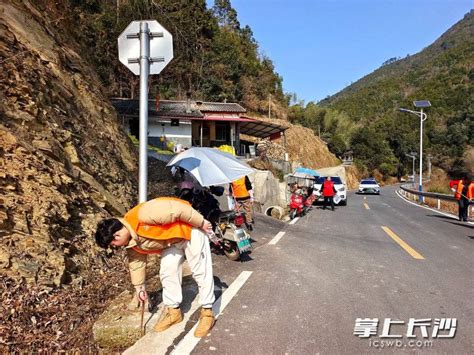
x=229, y=236
x=301, y=202
x=310, y=199
x=296, y=204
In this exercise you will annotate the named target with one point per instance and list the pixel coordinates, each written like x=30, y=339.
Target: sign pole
x=146, y=48
x=144, y=72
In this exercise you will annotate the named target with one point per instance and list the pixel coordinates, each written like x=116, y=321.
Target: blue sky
x=321, y=46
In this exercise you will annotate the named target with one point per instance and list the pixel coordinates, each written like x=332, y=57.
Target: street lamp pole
x=420, y=186
x=419, y=104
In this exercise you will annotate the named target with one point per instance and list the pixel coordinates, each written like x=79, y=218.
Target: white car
x=369, y=186
x=341, y=189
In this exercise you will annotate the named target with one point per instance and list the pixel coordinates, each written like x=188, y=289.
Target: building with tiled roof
x=194, y=123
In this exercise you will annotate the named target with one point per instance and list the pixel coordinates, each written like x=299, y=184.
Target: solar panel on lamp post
x=421, y=105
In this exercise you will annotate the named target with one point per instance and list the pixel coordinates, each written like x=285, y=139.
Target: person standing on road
x=172, y=228
x=464, y=194
x=242, y=191
x=328, y=191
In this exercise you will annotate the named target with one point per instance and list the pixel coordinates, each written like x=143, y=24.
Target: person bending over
x=172, y=228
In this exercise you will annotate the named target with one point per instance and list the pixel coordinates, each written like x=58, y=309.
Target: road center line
x=276, y=238
x=366, y=206
x=189, y=342
x=404, y=245
x=294, y=220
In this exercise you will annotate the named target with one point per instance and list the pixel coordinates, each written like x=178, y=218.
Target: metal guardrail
x=433, y=195
x=408, y=193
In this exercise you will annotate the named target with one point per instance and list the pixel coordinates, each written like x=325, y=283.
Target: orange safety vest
x=459, y=188
x=239, y=189
x=469, y=193
x=177, y=229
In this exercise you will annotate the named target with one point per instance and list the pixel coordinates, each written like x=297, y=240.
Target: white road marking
x=276, y=238
x=429, y=208
x=189, y=342
x=295, y=220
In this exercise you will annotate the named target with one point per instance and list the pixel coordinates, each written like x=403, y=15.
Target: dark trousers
x=328, y=199
x=463, y=207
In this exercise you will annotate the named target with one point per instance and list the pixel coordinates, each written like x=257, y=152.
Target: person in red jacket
x=328, y=191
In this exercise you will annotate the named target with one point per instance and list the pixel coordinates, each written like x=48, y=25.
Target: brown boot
x=170, y=316
x=206, y=321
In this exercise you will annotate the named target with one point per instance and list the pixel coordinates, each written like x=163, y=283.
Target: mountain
x=441, y=73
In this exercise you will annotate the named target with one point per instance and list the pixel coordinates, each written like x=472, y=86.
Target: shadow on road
x=219, y=287
x=462, y=224
x=245, y=257
x=442, y=217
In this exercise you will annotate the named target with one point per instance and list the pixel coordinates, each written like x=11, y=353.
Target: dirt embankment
x=305, y=149
x=302, y=146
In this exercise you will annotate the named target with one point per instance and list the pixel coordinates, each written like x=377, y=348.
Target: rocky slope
x=65, y=163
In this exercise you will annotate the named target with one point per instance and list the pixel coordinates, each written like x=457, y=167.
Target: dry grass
x=447, y=206
x=439, y=182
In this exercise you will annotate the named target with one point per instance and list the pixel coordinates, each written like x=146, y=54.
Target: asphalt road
x=306, y=291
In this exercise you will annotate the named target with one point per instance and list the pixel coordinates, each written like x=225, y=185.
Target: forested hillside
x=215, y=59
x=364, y=116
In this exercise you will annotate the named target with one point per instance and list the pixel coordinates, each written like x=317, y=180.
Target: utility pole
x=117, y=11
x=429, y=156
x=269, y=105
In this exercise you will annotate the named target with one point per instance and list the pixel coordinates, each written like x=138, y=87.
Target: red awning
x=230, y=117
